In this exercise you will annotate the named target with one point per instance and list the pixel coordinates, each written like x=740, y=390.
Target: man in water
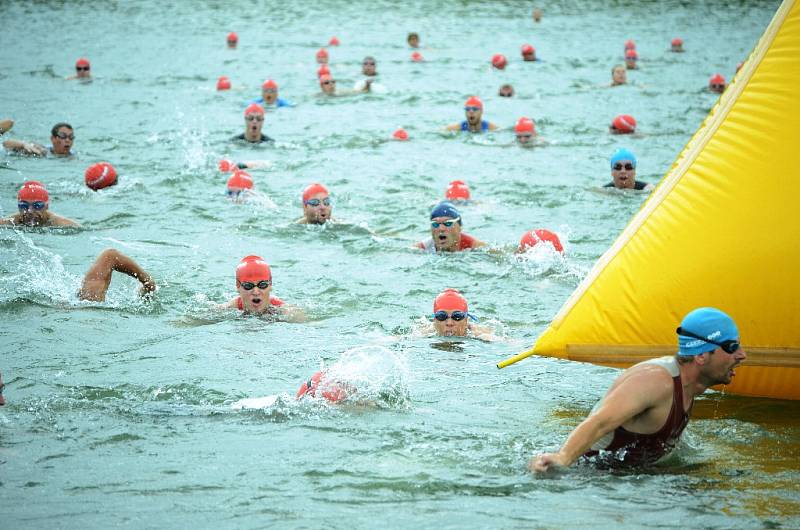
x=643, y=414
x=473, y=109
x=254, y=285
x=61, y=136
x=33, y=203
x=525, y=131
x=506, y=91
x=82, y=70
x=451, y=317
x=98, y=277
x=269, y=96
x=317, y=205
x=368, y=66
x=253, y=122
x=623, y=172
x=413, y=40
x=446, y=234
x=619, y=75
x=328, y=85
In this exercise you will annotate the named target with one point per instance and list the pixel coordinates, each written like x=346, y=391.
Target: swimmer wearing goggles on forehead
x=317, y=205
x=254, y=285
x=253, y=122
x=446, y=234
x=451, y=318
x=33, y=205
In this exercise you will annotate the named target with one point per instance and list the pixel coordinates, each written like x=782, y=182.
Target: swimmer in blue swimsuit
x=269, y=96
x=473, y=108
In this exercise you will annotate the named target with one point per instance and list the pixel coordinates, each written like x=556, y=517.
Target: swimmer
x=33, y=203
x=528, y=53
x=473, y=109
x=623, y=172
x=631, y=58
x=717, y=83
x=630, y=45
x=537, y=14
x=457, y=191
x=506, y=91
x=254, y=285
x=619, y=75
x=368, y=66
x=533, y=238
x=643, y=414
x=451, y=318
x=623, y=124
x=525, y=130
x=317, y=205
x=677, y=45
x=253, y=122
x=322, y=56
x=446, y=234
x=98, y=277
x=269, y=96
x=322, y=385
x=61, y=136
x=413, y=40
x=499, y=61
x=328, y=86
x=2, y=387
x=223, y=83
x=232, y=40
x=6, y=125
x=239, y=186
x=82, y=70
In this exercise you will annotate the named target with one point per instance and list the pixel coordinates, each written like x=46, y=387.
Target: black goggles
x=728, y=346
x=458, y=316
x=248, y=286
x=628, y=166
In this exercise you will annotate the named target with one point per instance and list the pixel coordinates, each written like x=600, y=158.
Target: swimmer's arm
x=453, y=127
x=478, y=244
x=6, y=125
x=28, y=148
x=301, y=221
x=126, y=265
x=637, y=393
x=8, y=221
x=292, y=313
x=233, y=303
x=59, y=220
x=493, y=126
x=482, y=332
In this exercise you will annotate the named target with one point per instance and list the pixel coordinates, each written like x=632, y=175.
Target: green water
x=119, y=414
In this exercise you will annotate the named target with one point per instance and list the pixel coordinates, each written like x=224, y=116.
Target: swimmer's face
x=506, y=91
x=31, y=216
x=315, y=210
x=526, y=138
x=62, y=141
x=328, y=86
x=630, y=63
x=255, y=300
x=624, y=174
x=719, y=88
x=270, y=95
x=368, y=66
x=677, y=47
x=445, y=238
x=537, y=14
x=619, y=76
x=449, y=327
x=83, y=71
x=473, y=114
x=413, y=41
x=529, y=56
x=719, y=367
x=253, y=123
x=232, y=43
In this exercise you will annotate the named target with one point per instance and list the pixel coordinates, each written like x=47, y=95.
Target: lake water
x=119, y=414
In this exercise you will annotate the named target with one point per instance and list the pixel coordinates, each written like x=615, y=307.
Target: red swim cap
x=474, y=101
x=528, y=49
x=531, y=238
x=457, y=191
x=240, y=181
x=450, y=300
x=716, y=79
x=322, y=53
x=233, y=37
x=333, y=392
x=624, y=123
x=525, y=125
x=325, y=77
x=314, y=189
x=400, y=134
x=323, y=70
x=226, y=166
x=33, y=190
x=83, y=61
x=100, y=175
x=223, y=83
x=269, y=83
x=499, y=61
x=253, y=269
x=333, y=42
x=631, y=54
x=677, y=41
x=417, y=57
x=254, y=108
x=630, y=45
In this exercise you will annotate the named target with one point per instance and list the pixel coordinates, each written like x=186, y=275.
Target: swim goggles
x=82, y=68
x=472, y=109
x=254, y=117
x=248, y=286
x=716, y=86
x=64, y=136
x=728, y=346
x=447, y=224
x=36, y=205
x=628, y=166
x=316, y=202
x=525, y=136
x=457, y=316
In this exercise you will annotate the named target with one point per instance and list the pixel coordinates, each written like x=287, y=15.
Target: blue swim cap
x=445, y=209
x=623, y=154
x=707, y=322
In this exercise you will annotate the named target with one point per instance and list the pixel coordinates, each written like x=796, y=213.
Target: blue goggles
x=36, y=205
x=458, y=316
x=472, y=109
x=316, y=202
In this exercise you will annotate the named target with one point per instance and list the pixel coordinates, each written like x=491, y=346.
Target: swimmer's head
x=506, y=91
x=254, y=119
x=623, y=124
x=473, y=109
x=226, y=166
x=499, y=61
x=677, y=44
x=238, y=184
x=400, y=134
x=233, y=39
x=317, y=204
x=623, y=169
x=707, y=323
x=323, y=70
x=254, y=284
x=223, y=83
x=327, y=84
x=537, y=14
x=334, y=41
x=62, y=136
x=413, y=40
x=631, y=57
x=33, y=202
x=619, y=74
x=450, y=314
x=83, y=68
x=525, y=130
x=717, y=83
x=630, y=45
x=322, y=56
x=100, y=175
x=445, y=226
x=369, y=65
x=622, y=155
x=531, y=238
x=319, y=383
x=269, y=91
x=528, y=52
x=417, y=57
x=457, y=191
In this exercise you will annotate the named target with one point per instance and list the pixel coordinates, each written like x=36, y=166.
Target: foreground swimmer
x=254, y=285
x=619, y=75
x=623, y=172
x=473, y=109
x=82, y=69
x=446, y=234
x=61, y=136
x=317, y=205
x=451, y=317
x=33, y=203
x=253, y=122
x=322, y=385
x=98, y=277
x=269, y=96
x=643, y=414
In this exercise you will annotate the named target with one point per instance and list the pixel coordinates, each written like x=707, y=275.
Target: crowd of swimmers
x=646, y=408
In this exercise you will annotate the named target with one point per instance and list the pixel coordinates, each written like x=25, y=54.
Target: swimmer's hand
x=367, y=85
x=148, y=285
x=546, y=462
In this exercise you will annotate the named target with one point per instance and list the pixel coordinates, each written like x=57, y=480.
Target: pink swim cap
x=450, y=300
x=457, y=191
x=624, y=123
x=400, y=134
x=531, y=238
x=100, y=175
x=499, y=61
x=223, y=83
x=33, y=190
